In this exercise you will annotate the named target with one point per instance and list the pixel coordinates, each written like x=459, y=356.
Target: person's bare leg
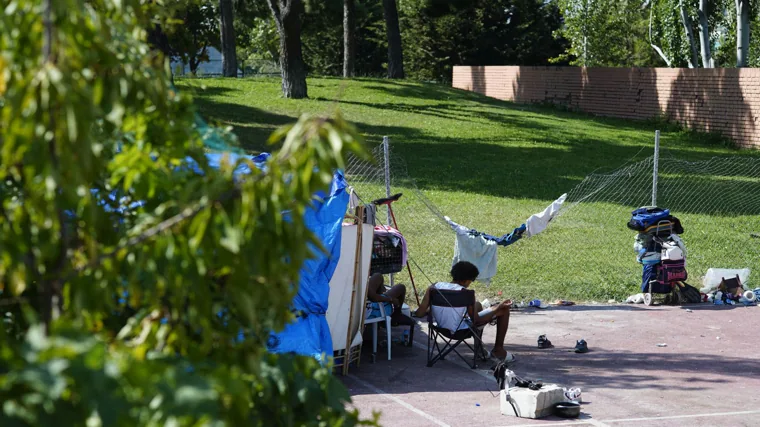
x=501, y=313
x=398, y=294
x=501, y=332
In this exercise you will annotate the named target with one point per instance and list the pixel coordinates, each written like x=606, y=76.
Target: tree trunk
x=686, y=21
x=229, y=56
x=742, y=32
x=395, y=54
x=349, y=38
x=704, y=35
x=287, y=16
x=158, y=40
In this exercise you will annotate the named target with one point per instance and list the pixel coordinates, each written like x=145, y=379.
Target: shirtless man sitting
x=392, y=298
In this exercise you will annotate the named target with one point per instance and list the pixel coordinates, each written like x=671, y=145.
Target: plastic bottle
x=406, y=336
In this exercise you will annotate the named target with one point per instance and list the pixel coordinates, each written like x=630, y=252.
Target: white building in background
x=213, y=67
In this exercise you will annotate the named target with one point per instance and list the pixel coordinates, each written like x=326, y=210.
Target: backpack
x=689, y=294
x=643, y=218
x=672, y=271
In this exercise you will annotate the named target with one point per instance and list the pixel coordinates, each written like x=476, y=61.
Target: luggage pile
x=660, y=250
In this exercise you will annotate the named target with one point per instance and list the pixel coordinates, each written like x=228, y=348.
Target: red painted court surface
x=707, y=375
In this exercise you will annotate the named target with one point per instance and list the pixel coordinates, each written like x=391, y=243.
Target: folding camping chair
x=454, y=299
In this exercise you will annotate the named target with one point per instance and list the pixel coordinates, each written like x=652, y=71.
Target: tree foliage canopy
x=152, y=313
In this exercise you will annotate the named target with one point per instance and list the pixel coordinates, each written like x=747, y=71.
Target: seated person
x=392, y=299
x=463, y=274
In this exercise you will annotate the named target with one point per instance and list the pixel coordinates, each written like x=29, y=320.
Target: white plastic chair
x=374, y=321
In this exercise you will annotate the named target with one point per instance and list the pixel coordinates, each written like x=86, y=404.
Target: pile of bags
x=659, y=248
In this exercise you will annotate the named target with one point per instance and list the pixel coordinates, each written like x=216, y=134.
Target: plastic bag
x=715, y=275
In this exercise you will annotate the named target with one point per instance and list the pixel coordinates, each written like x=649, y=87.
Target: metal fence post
x=655, y=170
x=387, y=169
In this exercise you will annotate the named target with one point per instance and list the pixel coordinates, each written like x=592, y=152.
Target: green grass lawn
x=490, y=164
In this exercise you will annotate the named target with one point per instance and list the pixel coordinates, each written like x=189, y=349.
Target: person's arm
x=424, y=305
x=374, y=284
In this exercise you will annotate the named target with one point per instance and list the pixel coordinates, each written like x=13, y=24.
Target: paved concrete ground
x=708, y=375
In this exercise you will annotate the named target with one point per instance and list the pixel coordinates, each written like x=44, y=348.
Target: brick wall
x=725, y=101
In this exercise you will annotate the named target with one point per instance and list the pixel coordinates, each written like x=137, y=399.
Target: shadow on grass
x=551, y=163
x=253, y=126
x=484, y=166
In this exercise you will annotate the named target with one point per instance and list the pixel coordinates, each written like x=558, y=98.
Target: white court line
x=626, y=420
x=594, y=422
x=382, y=393
x=580, y=421
x=677, y=417
x=552, y=424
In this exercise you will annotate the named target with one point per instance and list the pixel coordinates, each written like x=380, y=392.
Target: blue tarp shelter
x=309, y=334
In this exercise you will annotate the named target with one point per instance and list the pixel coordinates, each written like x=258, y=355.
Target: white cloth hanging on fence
x=459, y=229
x=478, y=251
x=538, y=222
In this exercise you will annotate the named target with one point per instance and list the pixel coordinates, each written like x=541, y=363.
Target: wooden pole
x=356, y=283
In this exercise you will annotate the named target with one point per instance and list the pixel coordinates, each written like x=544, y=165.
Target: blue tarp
x=309, y=334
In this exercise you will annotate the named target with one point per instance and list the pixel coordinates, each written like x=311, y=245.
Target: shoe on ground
x=581, y=346
x=544, y=342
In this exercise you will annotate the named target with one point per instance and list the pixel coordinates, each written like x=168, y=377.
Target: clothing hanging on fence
x=479, y=251
x=535, y=224
x=504, y=240
x=538, y=222
x=480, y=248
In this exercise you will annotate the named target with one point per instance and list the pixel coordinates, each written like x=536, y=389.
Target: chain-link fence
x=587, y=251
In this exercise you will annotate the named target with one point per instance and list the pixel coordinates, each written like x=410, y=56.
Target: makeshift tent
x=348, y=293
x=309, y=334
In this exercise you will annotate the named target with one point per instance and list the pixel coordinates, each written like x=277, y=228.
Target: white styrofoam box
x=529, y=403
